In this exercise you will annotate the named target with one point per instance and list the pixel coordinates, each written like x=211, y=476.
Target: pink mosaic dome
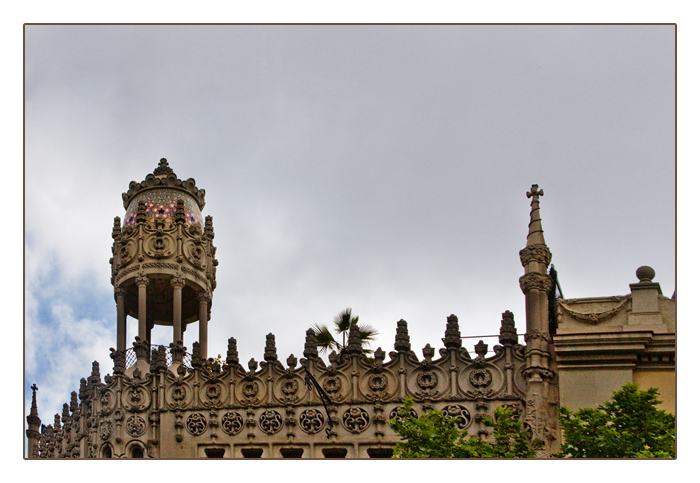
x=160, y=192
x=162, y=203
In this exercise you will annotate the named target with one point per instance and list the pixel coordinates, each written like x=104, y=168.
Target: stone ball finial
x=645, y=274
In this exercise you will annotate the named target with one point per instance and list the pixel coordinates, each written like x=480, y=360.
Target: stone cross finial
x=34, y=388
x=535, y=193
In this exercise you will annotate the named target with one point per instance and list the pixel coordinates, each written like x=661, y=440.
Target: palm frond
x=324, y=338
x=343, y=320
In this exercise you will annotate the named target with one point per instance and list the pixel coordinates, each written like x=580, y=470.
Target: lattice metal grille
x=130, y=356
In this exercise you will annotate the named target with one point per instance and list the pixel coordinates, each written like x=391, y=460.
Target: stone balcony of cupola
x=163, y=258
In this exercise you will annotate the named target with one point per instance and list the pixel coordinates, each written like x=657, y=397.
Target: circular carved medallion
x=311, y=421
x=196, y=424
x=232, y=423
x=378, y=382
x=460, y=413
x=427, y=380
x=480, y=378
x=270, y=421
x=356, y=420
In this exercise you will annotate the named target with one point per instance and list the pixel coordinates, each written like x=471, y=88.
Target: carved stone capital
x=178, y=281
x=535, y=253
x=119, y=293
x=142, y=280
x=203, y=296
x=535, y=281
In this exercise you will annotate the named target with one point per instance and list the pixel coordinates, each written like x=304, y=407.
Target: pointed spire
x=33, y=418
x=310, y=345
x=354, y=340
x=163, y=168
x=535, y=234
x=509, y=335
x=270, y=348
x=402, y=341
x=453, y=338
x=232, y=352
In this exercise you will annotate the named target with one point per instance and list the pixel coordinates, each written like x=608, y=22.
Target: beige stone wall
x=587, y=388
x=664, y=381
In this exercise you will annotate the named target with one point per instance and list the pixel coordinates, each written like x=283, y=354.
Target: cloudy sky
x=382, y=168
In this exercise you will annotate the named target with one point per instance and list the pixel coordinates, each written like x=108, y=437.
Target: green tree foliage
x=432, y=435
x=341, y=325
x=628, y=426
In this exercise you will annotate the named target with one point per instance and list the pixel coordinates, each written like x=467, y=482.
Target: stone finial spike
x=196, y=356
x=354, y=340
x=428, y=352
x=232, y=352
x=208, y=227
x=291, y=361
x=65, y=416
x=508, y=335
x=402, y=341
x=453, y=337
x=535, y=234
x=73, y=402
x=163, y=168
x=379, y=355
x=117, y=228
x=95, y=374
x=270, y=348
x=119, y=359
x=310, y=345
x=481, y=349
x=180, y=217
x=252, y=365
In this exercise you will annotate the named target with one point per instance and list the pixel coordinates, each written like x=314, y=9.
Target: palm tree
x=342, y=322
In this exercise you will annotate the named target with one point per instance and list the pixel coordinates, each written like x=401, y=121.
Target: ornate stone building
x=163, y=402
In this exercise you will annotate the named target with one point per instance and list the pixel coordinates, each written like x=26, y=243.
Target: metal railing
x=130, y=356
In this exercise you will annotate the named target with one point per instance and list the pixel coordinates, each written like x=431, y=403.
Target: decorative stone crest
x=135, y=425
x=105, y=429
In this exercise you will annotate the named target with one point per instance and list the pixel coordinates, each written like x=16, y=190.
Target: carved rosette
x=196, y=424
x=232, y=423
x=460, y=413
x=356, y=420
x=270, y=421
x=311, y=421
x=394, y=414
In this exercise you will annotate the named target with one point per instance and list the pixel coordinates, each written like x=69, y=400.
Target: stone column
x=119, y=294
x=203, y=298
x=177, y=282
x=142, y=282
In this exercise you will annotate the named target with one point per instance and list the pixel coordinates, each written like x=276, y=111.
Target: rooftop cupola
x=163, y=260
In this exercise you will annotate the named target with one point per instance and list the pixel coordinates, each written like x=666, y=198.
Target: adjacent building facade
x=166, y=402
